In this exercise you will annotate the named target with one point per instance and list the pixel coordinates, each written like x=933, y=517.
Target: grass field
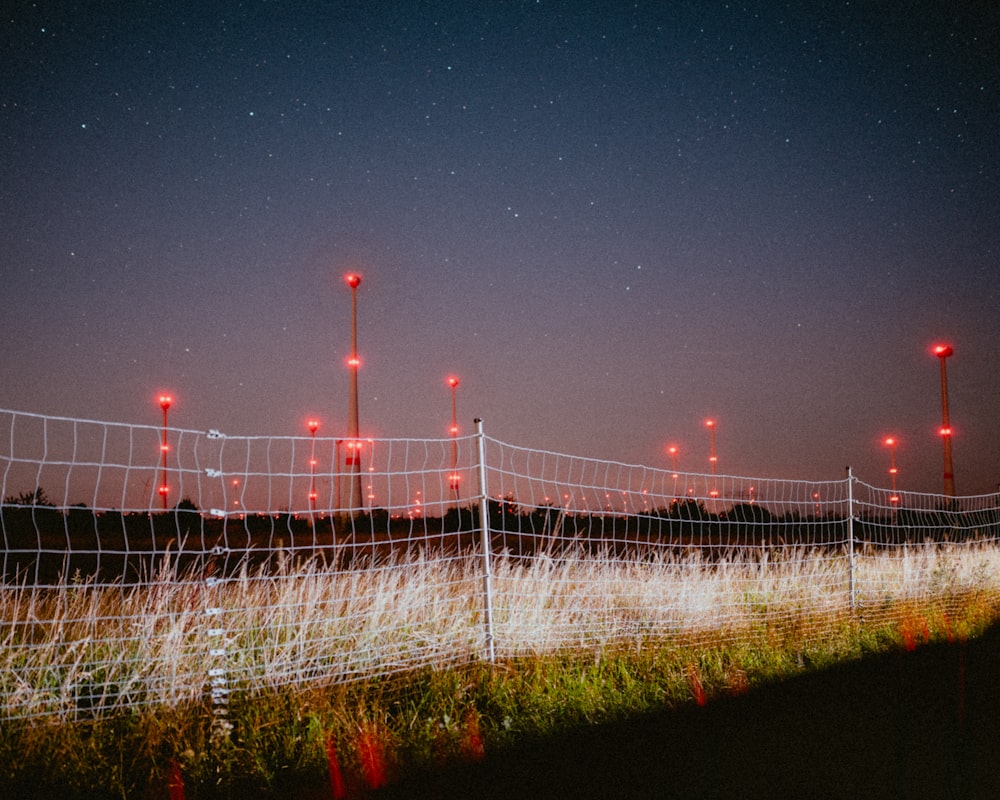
x=378, y=673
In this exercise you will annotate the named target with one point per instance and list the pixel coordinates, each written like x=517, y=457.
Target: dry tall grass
x=78, y=650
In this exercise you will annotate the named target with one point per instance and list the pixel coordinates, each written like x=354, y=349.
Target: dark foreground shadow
x=920, y=724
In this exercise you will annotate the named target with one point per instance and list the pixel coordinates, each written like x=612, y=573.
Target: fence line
x=258, y=575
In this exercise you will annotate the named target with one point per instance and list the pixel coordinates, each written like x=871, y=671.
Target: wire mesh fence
x=152, y=566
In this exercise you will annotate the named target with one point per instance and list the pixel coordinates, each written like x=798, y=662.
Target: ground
x=908, y=724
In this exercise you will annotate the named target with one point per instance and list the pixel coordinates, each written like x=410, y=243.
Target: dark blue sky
x=611, y=221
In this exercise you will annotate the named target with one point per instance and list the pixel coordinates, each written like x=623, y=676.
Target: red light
x=453, y=382
x=165, y=401
x=353, y=452
x=894, y=498
x=709, y=423
x=312, y=425
x=454, y=430
x=354, y=361
x=943, y=350
x=890, y=441
x=164, y=490
x=353, y=280
x=945, y=431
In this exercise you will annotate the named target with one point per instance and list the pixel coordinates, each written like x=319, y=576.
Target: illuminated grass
x=105, y=687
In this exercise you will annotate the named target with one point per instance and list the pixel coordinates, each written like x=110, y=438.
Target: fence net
x=598, y=552
x=911, y=548
x=152, y=566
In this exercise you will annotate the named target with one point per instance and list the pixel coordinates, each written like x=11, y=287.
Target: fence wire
x=150, y=566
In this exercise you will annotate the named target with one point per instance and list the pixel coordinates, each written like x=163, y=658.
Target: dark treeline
x=43, y=544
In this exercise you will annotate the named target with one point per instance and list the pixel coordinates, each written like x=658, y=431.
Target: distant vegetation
x=45, y=543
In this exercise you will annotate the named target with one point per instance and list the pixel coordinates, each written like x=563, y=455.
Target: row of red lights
x=353, y=280
x=312, y=425
x=942, y=351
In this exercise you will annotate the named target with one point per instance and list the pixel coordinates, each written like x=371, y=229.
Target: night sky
x=610, y=221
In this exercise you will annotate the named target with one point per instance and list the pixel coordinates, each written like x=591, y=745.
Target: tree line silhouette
x=44, y=544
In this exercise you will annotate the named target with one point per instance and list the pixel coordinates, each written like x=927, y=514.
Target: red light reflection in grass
x=336, y=776
x=471, y=744
x=697, y=688
x=175, y=781
x=371, y=754
x=914, y=632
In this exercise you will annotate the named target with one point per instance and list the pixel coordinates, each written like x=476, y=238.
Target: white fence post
x=484, y=528
x=850, y=533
